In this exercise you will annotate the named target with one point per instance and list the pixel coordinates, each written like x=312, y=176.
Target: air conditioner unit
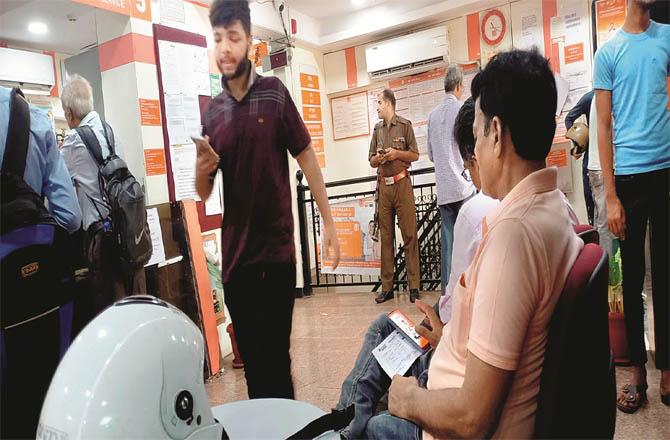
x=408, y=54
x=32, y=71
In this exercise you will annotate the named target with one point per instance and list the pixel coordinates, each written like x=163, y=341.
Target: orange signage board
x=574, y=53
x=150, y=113
x=308, y=81
x=133, y=8
x=557, y=158
x=154, y=161
x=419, y=77
x=317, y=144
x=311, y=98
x=350, y=238
x=315, y=130
x=610, y=15
x=311, y=113
x=343, y=211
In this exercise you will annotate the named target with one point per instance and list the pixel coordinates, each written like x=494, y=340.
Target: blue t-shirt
x=635, y=68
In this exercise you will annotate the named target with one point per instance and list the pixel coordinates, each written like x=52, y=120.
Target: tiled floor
x=327, y=334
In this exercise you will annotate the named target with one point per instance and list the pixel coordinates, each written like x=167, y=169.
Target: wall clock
x=494, y=27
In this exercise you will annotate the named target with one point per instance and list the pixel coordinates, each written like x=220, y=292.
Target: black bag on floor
x=36, y=282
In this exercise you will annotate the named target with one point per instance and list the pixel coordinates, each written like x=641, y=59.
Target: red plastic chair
x=587, y=233
x=578, y=385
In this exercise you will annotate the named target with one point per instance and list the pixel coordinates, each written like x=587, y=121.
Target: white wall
x=348, y=158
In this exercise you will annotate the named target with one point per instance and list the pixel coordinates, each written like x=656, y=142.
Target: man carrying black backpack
x=117, y=243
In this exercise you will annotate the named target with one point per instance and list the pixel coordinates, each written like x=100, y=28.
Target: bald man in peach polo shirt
x=484, y=376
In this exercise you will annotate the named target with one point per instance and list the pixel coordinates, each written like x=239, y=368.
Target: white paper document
x=214, y=205
x=183, y=156
x=396, y=354
x=562, y=88
x=184, y=185
x=158, y=253
x=191, y=109
x=171, y=71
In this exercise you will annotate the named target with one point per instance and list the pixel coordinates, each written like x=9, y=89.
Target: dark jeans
x=367, y=383
x=448, y=212
x=645, y=199
x=260, y=301
x=588, y=195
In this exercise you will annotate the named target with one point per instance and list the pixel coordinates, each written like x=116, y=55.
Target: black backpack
x=31, y=242
x=125, y=197
x=36, y=283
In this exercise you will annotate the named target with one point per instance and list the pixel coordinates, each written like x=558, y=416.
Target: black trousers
x=645, y=199
x=260, y=301
x=30, y=356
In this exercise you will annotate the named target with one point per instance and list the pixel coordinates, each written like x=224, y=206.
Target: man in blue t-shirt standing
x=630, y=82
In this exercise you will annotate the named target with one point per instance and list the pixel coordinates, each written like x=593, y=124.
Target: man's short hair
x=463, y=130
x=389, y=96
x=226, y=12
x=453, y=78
x=77, y=96
x=519, y=87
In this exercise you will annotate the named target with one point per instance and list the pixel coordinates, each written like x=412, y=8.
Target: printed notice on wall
x=158, y=250
x=350, y=116
x=182, y=158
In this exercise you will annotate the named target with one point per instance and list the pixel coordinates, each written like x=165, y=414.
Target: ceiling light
x=37, y=27
x=357, y=2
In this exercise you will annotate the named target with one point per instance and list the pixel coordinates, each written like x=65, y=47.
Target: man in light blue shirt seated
x=630, y=81
x=45, y=172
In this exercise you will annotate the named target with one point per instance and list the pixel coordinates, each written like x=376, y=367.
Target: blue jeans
x=448, y=212
x=367, y=382
x=385, y=426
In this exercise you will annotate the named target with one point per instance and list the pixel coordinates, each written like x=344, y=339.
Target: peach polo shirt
x=503, y=303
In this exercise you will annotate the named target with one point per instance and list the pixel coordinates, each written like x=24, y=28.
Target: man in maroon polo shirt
x=248, y=129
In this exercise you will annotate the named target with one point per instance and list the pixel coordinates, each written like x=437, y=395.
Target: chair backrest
x=577, y=390
x=587, y=233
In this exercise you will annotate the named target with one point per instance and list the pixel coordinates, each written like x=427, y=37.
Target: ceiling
x=328, y=8
x=63, y=35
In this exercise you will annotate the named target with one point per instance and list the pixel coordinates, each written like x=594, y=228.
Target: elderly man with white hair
x=108, y=282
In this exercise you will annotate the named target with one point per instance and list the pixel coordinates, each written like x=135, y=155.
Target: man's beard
x=240, y=70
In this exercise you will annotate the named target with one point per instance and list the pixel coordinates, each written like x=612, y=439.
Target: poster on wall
x=350, y=116
x=610, y=15
x=417, y=96
x=527, y=27
x=359, y=254
x=469, y=72
x=210, y=243
x=559, y=157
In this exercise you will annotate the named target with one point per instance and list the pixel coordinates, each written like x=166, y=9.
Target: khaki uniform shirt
x=399, y=135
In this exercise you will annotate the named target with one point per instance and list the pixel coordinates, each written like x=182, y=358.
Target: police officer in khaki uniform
x=392, y=149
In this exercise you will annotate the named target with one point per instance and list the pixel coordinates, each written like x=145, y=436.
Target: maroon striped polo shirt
x=252, y=137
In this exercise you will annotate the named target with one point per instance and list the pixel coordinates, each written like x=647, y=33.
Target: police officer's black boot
x=384, y=296
x=413, y=295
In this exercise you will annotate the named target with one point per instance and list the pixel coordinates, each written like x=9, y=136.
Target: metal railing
x=428, y=232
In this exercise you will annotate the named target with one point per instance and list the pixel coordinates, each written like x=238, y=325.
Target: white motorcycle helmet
x=135, y=372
